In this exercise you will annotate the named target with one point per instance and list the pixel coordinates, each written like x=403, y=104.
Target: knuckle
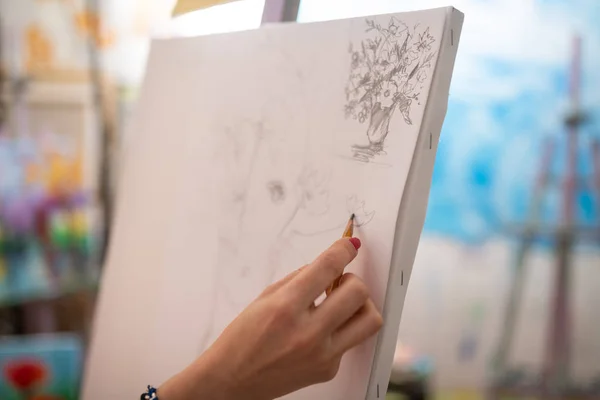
x=361, y=289
x=283, y=315
x=357, y=287
x=302, y=342
x=348, y=276
x=376, y=320
x=373, y=317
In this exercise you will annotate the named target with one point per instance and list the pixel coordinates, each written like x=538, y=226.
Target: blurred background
x=504, y=292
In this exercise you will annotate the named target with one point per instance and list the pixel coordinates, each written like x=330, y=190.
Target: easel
x=280, y=11
x=554, y=381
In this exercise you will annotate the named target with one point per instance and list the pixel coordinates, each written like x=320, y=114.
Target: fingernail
x=355, y=242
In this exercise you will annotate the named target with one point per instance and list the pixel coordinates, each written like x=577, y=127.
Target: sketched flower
x=425, y=41
x=410, y=56
x=356, y=206
x=25, y=375
x=362, y=116
x=421, y=75
x=395, y=26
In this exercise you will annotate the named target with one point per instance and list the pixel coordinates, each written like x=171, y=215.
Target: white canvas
x=250, y=151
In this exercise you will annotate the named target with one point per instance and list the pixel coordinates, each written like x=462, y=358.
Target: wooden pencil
x=348, y=232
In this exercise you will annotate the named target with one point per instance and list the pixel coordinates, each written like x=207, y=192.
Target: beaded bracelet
x=150, y=394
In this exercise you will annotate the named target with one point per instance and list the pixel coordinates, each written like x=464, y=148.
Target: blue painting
x=510, y=97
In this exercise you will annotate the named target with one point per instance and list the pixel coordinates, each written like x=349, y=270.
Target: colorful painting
x=46, y=236
x=40, y=367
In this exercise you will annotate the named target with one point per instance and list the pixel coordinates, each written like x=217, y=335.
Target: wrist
x=203, y=379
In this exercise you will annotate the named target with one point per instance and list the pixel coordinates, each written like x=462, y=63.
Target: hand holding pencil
x=293, y=342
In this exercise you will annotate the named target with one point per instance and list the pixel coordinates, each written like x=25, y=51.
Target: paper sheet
x=245, y=168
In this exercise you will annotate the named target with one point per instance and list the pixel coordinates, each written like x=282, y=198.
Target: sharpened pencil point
x=352, y=216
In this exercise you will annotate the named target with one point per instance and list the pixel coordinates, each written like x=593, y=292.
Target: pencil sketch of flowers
x=387, y=73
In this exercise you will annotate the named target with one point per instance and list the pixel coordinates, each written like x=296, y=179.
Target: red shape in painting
x=25, y=375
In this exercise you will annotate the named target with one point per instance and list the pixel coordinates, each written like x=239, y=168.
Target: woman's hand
x=282, y=342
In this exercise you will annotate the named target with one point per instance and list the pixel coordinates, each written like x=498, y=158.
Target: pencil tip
x=352, y=216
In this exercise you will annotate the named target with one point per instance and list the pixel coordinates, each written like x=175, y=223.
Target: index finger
x=318, y=275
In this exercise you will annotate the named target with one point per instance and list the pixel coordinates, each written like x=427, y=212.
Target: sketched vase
x=379, y=125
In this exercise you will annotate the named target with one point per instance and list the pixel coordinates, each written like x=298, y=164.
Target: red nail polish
x=355, y=242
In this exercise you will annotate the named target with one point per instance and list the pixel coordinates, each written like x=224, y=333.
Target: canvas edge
x=413, y=210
